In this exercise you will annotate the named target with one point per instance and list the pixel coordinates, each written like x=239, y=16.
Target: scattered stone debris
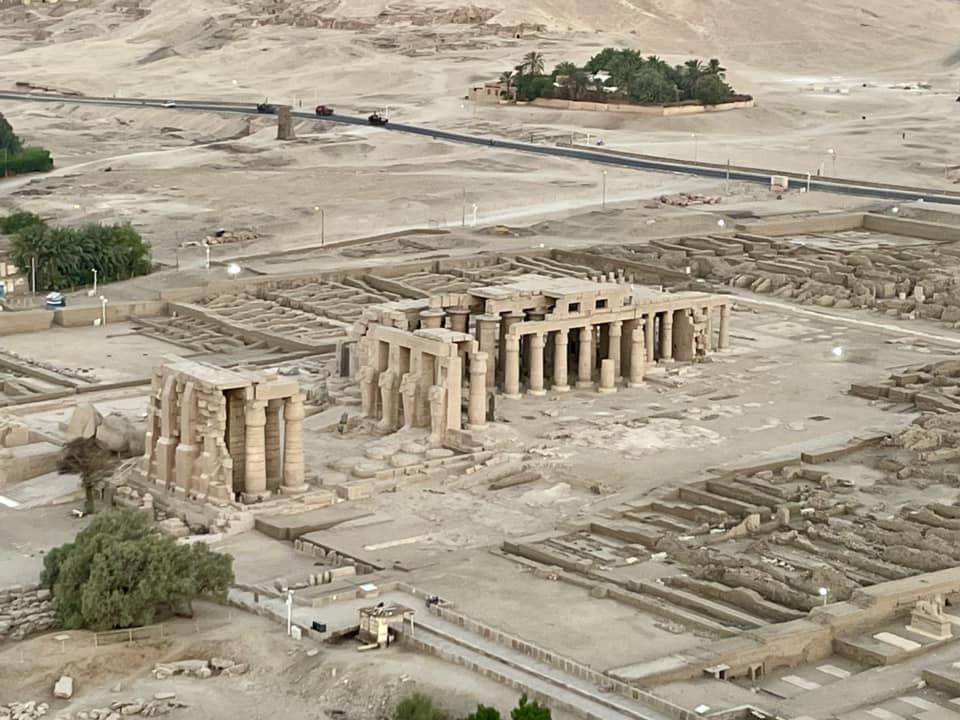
x=63, y=688
x=23, y=710
x=201, y=669
x=222, y=237
x=684, y=199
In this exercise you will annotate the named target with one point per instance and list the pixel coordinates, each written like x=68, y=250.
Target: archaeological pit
x=630, y=463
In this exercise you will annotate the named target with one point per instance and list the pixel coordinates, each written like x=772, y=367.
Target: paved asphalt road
x=739, y=174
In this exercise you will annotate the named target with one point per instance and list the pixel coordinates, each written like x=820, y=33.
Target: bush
x=526, y=710
x=484, y=713
x=13, y=224
x=418, y=707
x=65, y=257
x=31, y=159
x=120, y=572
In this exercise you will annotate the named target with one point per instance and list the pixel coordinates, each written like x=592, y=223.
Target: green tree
x=9, y=143
x=526, y=710
x=531, y=87
x=533, y=62
x=711, y=90
x=121, y=572
x=484, y=713
x=506, y=79
x=418, y=707
x=651, y=88
x=714, y=68
x=576, y=85
x=94, y=464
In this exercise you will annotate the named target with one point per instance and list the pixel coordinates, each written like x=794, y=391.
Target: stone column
x=293, y=466
x=614, y=333
x=431, y=319
x=608, y=380
x=560, y=373
x=477, y=403
x=638, y=358
x=487, y=343
x=458, y=319
x=507, y=321
x=255, y=465
x=272, y=439
x=666, y=336
x=724, y=340
x=389, y=401
x=649, y=321
x=187, y=449
x=585, y=364
x=535, y=385
x=708, y=315
x=511, y=368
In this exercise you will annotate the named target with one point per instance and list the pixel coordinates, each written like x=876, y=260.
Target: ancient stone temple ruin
x=416, y=358
x=224, y=434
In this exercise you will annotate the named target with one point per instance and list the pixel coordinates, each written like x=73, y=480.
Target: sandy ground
x=814, y=70
x=283, y=679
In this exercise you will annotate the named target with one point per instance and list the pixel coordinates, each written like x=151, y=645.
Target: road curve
x=603, y=157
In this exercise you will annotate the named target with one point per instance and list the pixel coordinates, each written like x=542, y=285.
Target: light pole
x=233, y=270
x=833, y=160
x=94, y=271
x=103, y=310
x=289, y=612
x=323, y=223
x=696, y=146
x=603, y=199
x=463, y=210
x=473, y=222
x=721, y=223
x=824, y=592
x=206, y=249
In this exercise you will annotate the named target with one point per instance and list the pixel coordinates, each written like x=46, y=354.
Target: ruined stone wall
x=25, y=610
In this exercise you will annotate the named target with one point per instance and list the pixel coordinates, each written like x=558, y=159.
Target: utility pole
x=463, y=214
x=33, y=275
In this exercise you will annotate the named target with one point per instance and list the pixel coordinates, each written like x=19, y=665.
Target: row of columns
x=266, y=469
x=642, y=337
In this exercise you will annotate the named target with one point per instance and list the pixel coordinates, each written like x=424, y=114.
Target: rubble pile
x=23, y=710
x=684, y=199
x=200, y=669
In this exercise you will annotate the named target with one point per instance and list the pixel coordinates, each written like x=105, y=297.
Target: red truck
x=324, y=111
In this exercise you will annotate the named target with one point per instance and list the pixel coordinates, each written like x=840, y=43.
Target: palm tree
x=577, y=84
x=713, y=68
x=565, y=69
x=533, y=61
x=94, y=464
x=506, y=79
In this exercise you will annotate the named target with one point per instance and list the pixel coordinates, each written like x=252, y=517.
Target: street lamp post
x=824, y=592
x=206, y=249
x=103, y=310
x=833, y=161
x=696, y=146
x=603, y=198
x=94, y=270
x=289, y=612
x=323, y=223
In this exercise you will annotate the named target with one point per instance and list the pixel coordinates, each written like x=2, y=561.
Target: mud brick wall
x=25, y=610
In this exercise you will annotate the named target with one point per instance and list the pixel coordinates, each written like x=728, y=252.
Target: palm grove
x=65, y=257
x=629, y=77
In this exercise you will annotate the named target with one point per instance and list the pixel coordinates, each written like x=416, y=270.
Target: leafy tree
x=650, y=87
x=418, y=707
x=533, y=62
x=121, y=572
x=506, y=79
x=577, y=84
x=530, y=87
x=714, y=68
x=484, y=713
x=711, y=90
x=8, y=141
x=94, y=464
x=526, y=710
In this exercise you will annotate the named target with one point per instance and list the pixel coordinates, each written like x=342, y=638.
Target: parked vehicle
x=266, y=108
x=323, y=110
x=169, y=104
x=377, y=119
